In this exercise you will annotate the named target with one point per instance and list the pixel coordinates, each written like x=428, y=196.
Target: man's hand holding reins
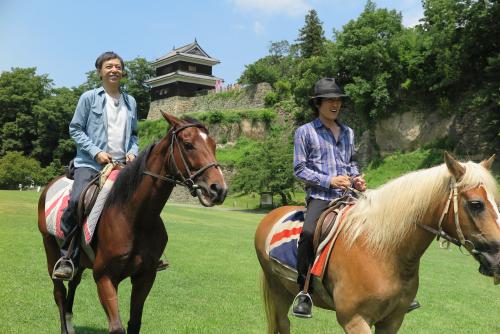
x=103, y=158
x=340, y=181
x=359, y=182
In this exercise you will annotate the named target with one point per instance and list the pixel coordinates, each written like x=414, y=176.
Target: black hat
x=326, y=88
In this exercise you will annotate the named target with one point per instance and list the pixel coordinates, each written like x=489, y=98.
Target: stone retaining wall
x=249, y=97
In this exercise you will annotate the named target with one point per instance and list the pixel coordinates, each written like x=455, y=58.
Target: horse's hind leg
x=277, y=302
x=52, y=253
x=141, y=285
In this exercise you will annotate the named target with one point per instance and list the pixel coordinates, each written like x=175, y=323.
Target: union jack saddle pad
x=282, y=244
x=56, y=201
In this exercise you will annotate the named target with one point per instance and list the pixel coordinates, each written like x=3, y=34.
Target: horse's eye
x=188, y=146
x=475, y=206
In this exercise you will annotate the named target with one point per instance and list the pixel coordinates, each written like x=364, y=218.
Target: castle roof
x=192, y=52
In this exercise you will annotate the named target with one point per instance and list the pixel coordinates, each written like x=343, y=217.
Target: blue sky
x=62, y=38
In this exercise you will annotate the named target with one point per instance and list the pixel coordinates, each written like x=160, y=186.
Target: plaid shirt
x=318, y=157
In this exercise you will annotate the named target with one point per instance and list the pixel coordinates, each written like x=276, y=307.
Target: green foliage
x=268, y=166
x=20, y=90
x=230, y=156
x=311, y=36
x=367, y=54
x=151, y=131
x=263, y=70
x=271, y=99
x=138, y=71
x=53, y=116
x=233, y=116
x=215, y=117
x=392, y=166
x=17, y=169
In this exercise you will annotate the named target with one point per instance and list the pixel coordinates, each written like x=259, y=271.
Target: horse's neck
x=153, y=193
x=414, y=245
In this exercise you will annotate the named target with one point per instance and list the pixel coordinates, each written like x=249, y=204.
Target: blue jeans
x=69, y=226
x=305, y=252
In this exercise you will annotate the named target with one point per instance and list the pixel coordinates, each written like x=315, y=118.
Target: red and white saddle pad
x=282, y=243
x=56, y=201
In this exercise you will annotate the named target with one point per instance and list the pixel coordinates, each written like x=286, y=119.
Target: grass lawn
x=213, y=283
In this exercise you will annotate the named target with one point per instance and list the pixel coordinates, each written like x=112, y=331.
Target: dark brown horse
x=372, y=275
x=131, y=236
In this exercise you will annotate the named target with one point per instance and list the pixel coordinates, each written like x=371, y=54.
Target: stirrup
x=295, y=302
x=61, y=261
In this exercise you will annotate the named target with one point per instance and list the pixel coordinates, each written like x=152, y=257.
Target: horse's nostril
x=215, y=187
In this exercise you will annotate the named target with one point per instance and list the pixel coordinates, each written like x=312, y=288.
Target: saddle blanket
x=56, y=201
x=282, y=243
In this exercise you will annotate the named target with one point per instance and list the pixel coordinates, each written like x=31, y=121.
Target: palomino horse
x=372, y=273
x=130, y=235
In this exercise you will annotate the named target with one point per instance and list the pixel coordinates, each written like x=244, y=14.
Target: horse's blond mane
x=390, y=212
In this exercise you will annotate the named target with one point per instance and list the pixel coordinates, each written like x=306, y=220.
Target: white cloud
x=258, y=27
x=288, y=7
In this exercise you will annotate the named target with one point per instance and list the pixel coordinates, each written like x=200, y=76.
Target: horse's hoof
x=69, y=324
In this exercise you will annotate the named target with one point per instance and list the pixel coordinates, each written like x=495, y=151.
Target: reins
x=189, y=181
x=461, y=241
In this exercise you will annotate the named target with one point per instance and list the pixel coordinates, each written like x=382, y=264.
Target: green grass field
x=213, y=283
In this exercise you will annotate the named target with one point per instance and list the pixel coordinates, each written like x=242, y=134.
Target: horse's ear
x=488, y=162
x=171, y=119
x=455, y=168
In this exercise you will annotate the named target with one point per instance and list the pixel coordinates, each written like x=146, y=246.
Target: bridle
x=189, y=181
x=461, y=241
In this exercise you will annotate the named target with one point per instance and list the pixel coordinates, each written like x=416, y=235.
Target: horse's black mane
x=128, y=180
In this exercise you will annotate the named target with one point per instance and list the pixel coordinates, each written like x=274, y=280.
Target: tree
x=17, y=169
x=311, y=36
x=138, y=71
x=53, y=116
x=20, y=90
x=268, y=167
x=366, y=59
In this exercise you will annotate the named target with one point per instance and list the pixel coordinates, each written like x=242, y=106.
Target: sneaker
x=303, y=307
x=413, y=306
x=63, y=272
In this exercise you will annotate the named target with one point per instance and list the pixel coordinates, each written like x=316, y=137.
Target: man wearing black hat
x=324, y=158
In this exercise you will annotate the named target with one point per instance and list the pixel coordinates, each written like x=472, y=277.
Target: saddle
x=327, y=219
x=89, y=194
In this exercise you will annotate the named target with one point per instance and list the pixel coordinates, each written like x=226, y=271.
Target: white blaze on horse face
x=222, y=176
x=491, y=199
x=204, y=136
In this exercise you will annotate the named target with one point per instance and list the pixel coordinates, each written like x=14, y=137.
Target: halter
x=189, y=181
x=461, y=241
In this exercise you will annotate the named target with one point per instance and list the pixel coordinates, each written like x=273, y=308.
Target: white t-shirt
x=116, y=113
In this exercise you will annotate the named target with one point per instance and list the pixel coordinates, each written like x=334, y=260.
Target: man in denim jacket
x=104, y=128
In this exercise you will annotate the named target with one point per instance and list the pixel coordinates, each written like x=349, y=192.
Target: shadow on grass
x=90, y=330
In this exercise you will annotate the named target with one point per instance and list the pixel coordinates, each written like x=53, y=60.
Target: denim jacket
x=89, y=127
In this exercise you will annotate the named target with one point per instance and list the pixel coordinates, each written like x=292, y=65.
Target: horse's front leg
x=72, y=285
x=108, y=295
x=354, y=325
x=141, y=286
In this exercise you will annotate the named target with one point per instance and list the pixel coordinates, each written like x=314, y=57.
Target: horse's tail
x=269, y=305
